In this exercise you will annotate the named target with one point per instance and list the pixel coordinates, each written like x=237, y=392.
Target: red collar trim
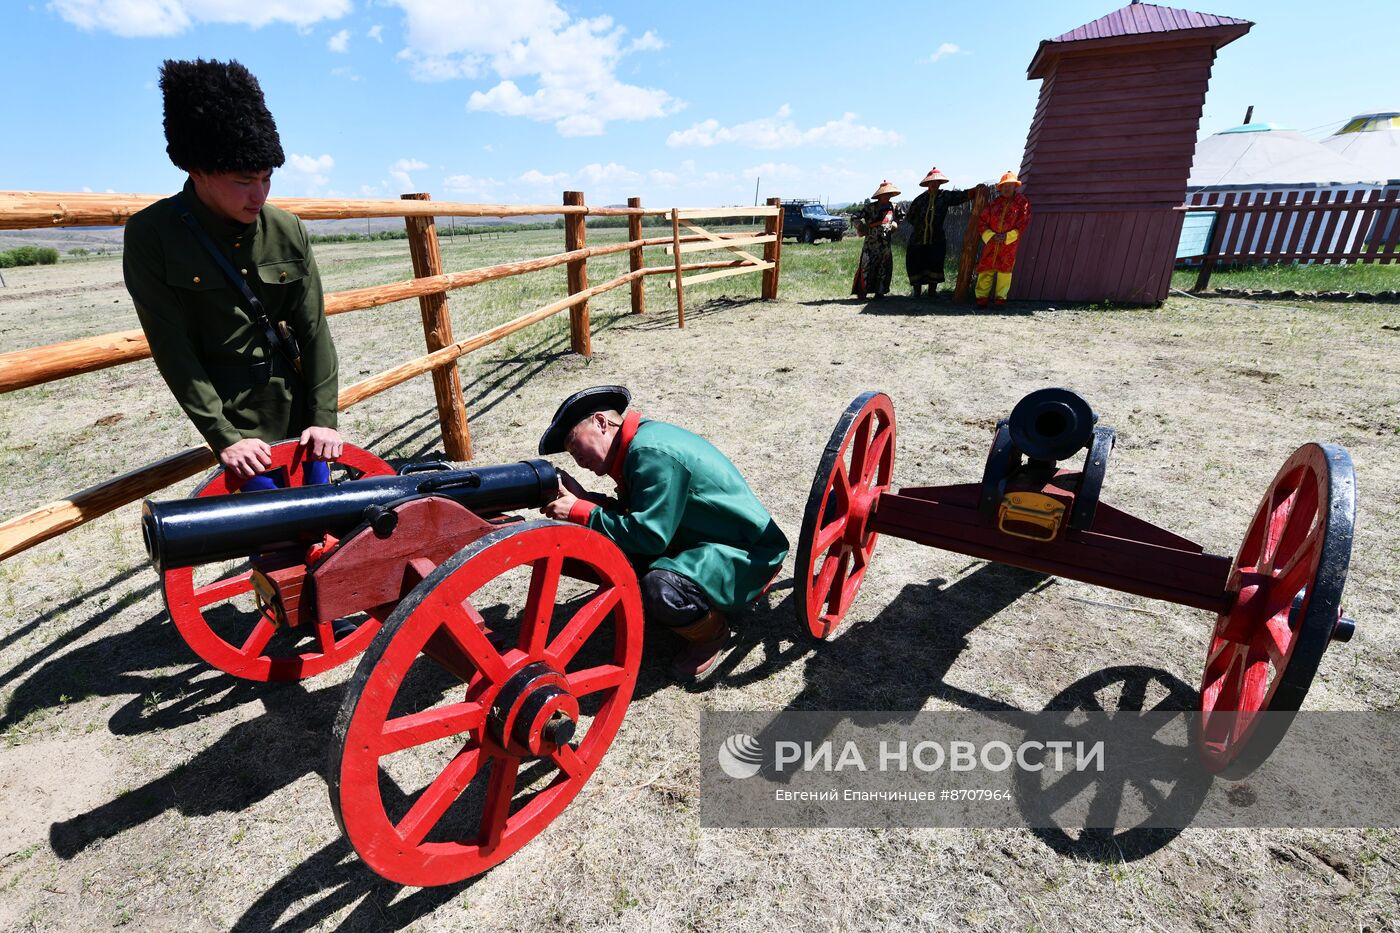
x=613, y=465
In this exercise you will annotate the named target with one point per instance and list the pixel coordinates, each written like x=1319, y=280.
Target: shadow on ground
x=900, y=659
x=664, y=318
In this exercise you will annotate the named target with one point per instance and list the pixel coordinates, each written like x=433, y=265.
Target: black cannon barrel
x=189, y=532
x=1051, y=424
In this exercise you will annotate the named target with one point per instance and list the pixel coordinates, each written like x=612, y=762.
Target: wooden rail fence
x=1297, y=226
x=19, y=369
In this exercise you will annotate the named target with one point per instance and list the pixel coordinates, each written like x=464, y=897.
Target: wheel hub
x=533, y=713
x=862, y=503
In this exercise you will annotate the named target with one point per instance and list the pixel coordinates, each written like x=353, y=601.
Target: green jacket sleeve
x=656, y=497
x=319, y=365
x=172, y=346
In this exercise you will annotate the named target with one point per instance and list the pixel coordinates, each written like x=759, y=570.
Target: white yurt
x=1257, y=162
x=1255, y=155
x=1372, y=141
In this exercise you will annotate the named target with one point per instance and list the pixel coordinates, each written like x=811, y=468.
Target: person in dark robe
x=877, y=222
x=928, y=250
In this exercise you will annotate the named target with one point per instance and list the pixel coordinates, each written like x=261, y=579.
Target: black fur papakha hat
x=577, y=407
x=215, y=118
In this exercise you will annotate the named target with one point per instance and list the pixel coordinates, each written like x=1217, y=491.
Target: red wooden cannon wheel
x=507, y=711
x=834, y=547
x=246, y=658
x=1288, y=578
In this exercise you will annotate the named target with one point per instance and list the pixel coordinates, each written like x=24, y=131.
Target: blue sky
x=682, y=104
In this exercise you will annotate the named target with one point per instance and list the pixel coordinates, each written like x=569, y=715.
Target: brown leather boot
x=707, y=642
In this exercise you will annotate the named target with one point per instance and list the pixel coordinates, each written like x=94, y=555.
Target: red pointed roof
x=1139, y=23
x=1139, y=18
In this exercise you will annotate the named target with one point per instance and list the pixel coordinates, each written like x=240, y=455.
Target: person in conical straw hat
x=702, y=542
x=1001, y=225
x=876, y=222
x=247, y=373
x=928, y=248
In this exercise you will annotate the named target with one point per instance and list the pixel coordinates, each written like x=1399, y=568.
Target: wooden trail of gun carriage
x=536, y=697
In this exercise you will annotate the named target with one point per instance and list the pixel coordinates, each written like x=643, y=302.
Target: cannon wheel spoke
x=484, y=768
x=244, y=654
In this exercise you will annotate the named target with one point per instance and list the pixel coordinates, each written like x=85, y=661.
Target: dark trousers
x=672, y=600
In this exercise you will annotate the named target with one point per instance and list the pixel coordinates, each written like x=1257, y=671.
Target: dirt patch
x=199, y=802
x=43, y=774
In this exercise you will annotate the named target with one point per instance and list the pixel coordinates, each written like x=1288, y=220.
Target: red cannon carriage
x=499, y=655
x=1277, y=604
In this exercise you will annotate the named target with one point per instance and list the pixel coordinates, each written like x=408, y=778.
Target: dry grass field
x=145, y=791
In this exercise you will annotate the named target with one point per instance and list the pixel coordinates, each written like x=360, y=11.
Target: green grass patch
x=1315, y=277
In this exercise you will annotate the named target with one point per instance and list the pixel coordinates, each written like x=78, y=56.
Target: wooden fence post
x=773, y=252
x=1217, y=240
x=437, y=333
x=634, y=256
x=576, y=237
x=969, y=249
x=676, y=248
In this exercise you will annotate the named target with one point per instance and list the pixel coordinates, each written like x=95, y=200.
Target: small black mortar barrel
x=189, y=532
x=1051, y=424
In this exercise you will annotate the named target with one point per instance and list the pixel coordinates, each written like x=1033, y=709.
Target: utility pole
x=755, y=191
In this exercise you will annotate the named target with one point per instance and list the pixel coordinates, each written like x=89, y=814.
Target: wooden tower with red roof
x=1110, y=150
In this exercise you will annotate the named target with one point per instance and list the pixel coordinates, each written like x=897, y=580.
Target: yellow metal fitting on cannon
x=1030, y=515
x=269, y=601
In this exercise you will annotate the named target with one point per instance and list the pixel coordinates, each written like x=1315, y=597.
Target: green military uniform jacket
x=684, y=507
x=205, y=342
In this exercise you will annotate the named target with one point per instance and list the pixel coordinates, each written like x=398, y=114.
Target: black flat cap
x=579, y=406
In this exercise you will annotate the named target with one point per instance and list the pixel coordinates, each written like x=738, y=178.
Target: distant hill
x=109, y=239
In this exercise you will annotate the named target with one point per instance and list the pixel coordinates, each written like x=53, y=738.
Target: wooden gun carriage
x=522, y=708
x=1277, y=604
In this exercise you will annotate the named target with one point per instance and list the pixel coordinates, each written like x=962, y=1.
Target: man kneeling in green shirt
x=702, y=542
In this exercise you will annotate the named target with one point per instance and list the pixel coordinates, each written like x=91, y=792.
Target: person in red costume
x=1002, y=223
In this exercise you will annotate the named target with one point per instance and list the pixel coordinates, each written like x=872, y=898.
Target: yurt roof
x=1257, y=154
x=1372, y=141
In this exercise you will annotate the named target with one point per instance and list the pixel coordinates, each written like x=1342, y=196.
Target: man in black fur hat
x=225, y=285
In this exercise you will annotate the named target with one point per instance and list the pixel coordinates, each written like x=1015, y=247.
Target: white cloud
x=646, y=42
x=551, y=68
x=376, y=32
x=348, y=74
x=773, y=171
x=946, y=49
x=534, y=178
x=781, y=132
x=305, y=175
x=468, y=187
x=428, y=68
x=340, y=42
x=399, y=173
x=603, y=183
x=130, y=18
